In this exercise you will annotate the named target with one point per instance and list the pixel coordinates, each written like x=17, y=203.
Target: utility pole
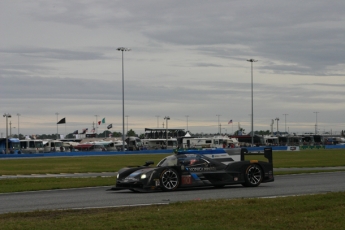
x=218, y=123
x=316, y=128
x=251, y=62
x=277, y=119
x=187, y=121
x=166, y=129
x=7, y=115
x=285, y=120
x=157, y=121
x=18, y=124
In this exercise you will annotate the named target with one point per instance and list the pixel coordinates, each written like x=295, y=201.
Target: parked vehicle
x=208, y=142
x=13, y=146
x=31, y=146
x=159, y=143
x=290, y=140
x=53, y=146
x=246, y=140
x=134, y=143
x=69, y=145
x=89, y=147
x=271, y=140
x=111, y=145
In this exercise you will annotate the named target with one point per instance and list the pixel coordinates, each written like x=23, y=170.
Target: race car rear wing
x=267, y=154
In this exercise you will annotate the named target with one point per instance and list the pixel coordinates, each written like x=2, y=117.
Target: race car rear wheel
x=169, y=180
x=253, y=176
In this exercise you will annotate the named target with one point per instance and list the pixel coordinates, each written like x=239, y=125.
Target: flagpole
x=57, y=125
x=96, y=123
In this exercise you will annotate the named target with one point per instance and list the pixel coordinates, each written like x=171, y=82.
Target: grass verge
x=324, y=211
x=35, y=184
x=281, y=159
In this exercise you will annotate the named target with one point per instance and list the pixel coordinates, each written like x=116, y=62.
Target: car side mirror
x=148, y=163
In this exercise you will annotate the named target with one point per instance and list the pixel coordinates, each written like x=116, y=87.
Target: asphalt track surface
x=110, y=174
x=100, y=197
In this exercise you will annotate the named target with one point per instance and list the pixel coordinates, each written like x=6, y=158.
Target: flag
x=62, y=121
x=230, y=122
x=110, y=126
x=103, y=120
x=99, y=122
x=84, y=131
x=75, y=132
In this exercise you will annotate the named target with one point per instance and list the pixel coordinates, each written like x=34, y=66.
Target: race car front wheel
x=253, y=176
x=169, y=180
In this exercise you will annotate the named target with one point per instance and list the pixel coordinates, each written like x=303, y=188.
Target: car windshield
x=38, y=144
x=58, y=144
x=168, y=161
x=16, y=145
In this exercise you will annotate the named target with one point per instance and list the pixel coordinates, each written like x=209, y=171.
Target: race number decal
x=186, y=179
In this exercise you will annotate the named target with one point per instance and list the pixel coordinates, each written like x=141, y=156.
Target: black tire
x=253, y=176
x=169, y=180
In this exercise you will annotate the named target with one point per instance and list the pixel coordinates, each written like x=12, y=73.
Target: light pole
x=316, y=122
x=187, y=121
x=10, y=129
x=7, y=115
x=251, y=61
x=122, y=49
x=285, y=120
x=157, y=121
x=127, y=124
x=218, y=123
x=277, y=119
x=57, y=129
x=166, y=129
x=18, y=124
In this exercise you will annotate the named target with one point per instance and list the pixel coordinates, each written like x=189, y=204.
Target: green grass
x=324, y=211
x=35, y=184
x=281, y=159
x=74, y=164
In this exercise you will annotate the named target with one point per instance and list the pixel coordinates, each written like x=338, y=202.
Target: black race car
x=194, y=168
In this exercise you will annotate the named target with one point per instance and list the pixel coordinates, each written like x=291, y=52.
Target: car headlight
x=117, y=176
x=143, y=176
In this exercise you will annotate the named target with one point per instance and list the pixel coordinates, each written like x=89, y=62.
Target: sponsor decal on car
x=186, y=179
x=201, y=169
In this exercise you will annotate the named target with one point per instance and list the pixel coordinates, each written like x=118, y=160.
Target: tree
x=131, y=133
x=261, y=132
x=117, y=134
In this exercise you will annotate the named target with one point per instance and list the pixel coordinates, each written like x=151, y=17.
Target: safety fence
x=163, y=151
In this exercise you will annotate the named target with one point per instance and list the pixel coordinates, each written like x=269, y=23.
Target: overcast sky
x=188, y=61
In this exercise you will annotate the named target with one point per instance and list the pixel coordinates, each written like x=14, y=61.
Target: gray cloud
x=188, y=58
